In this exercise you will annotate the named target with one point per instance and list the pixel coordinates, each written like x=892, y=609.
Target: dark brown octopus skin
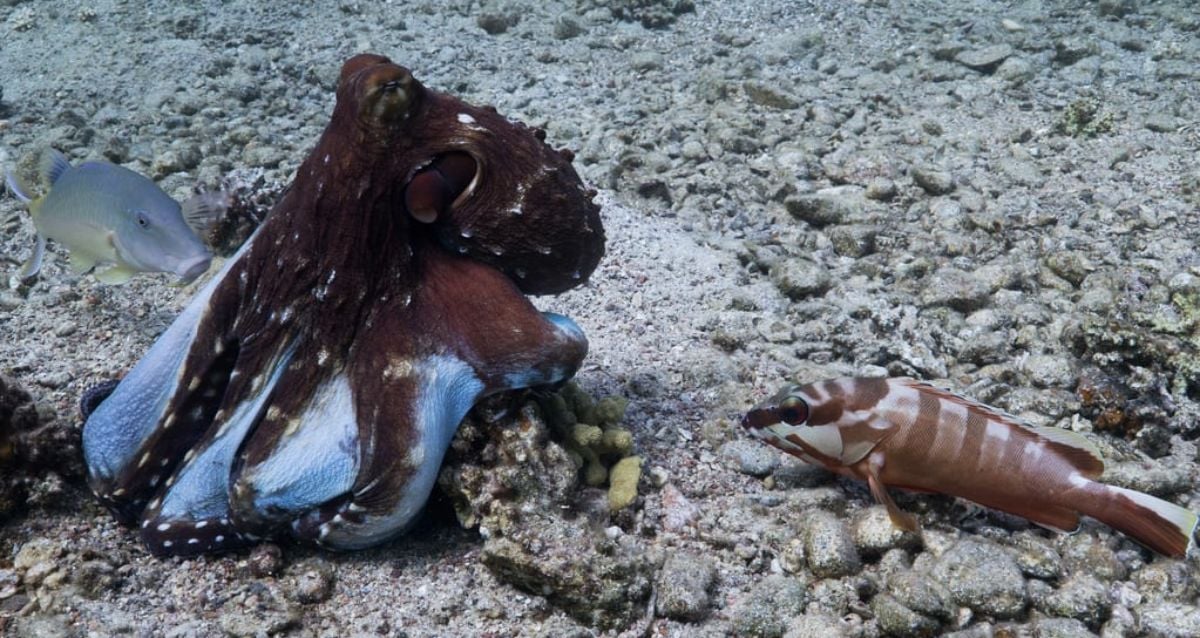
x=314, y=385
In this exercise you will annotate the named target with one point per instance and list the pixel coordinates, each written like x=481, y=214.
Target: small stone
x=955, y=288
x=932, y=180
x=683, y=587
x=984, y=577
x=1048, y=371
x=880, y=189
x=1016, y=71
x=266, y=560
x=875, y=534
x=830, y=546
x=1169, y=620
x=678, y=511
x=800, y=278
x=314, y=584
x=853, y=240
x=827, y=206
x=766, y=610
x=567, y=27
x=1036, y=557
x=897, y=620
x=1167, y=580
x=1081, y=597
x=1162, y=123
x=816, y=624
x=922, y=594
x=1062, y=628
x=496, y=23
x=769, y=96
x=751, y=457
x=984, y=60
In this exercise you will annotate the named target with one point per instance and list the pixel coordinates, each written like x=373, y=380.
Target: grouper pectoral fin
x=872, y=466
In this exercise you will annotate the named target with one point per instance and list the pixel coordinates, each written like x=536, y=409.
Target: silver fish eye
x=142, y=218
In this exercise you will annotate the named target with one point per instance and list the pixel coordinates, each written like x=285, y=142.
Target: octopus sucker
x=268, y=414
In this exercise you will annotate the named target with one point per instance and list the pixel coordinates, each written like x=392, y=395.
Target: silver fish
x=107, y=214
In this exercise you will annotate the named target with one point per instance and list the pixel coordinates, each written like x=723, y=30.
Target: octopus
x=312, y=387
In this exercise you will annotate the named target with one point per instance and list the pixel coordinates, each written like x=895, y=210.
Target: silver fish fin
x=1082, y=453
x=33, y=265
x=115, y=275
x=19, y=190
x=51, y=165
x=202, y=210
x=81, y=263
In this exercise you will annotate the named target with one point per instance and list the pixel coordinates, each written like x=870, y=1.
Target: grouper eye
x=793, y=411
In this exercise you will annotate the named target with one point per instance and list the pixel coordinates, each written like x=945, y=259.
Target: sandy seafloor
x=1015, y=210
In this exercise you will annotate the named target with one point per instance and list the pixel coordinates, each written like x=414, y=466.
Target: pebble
x=919, y=592
x=767, y=609
x=875, y=534
x=984, y=577
x=265, y=560
x=769, y=96
x=1081, y=597
x=678, y=511
x=1061, y=628
x=751, y=457
x=817, y=625
x=313, y=584
x=933, y=181
x=897, y=620
x=986, y=59
x=800, y=278
x=1170, y=620
x=827, y=206
x=683, y=587
x=955, y=288
x=1162, y=123
x=829, y=546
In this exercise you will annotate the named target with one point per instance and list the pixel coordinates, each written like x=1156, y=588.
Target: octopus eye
x=390, y=95
x=793, y=411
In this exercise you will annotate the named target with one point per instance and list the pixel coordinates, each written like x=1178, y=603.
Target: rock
x=829, y=546
x=522, y=490
x=1162, y=123
x=1036, y=556
x=897, y=620
x=933, y=181
x=497, y=23
x=1167, y=580
x=769, y=96
x=817, y=625
x=984, y=60
x=800, y=278
x=683, y=587
x=1169, y=620
x=265, y=560
x=875, y=534
x=313, y=583
x=1047, y=371
x=955, y=288
x=1062, y=628
x=766, y=610
x=1081, y=597
x=921, y=593
x=567, y=27
x=854, y=240
x=678, y=511
x=984, y=577
x=751, y=457
x=880, y=189
x=835, y=205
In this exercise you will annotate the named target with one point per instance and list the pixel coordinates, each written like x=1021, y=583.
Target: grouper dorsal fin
x=51, y=165
x=1079, y=451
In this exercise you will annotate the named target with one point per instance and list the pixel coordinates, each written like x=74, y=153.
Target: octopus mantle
x=315, y=383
